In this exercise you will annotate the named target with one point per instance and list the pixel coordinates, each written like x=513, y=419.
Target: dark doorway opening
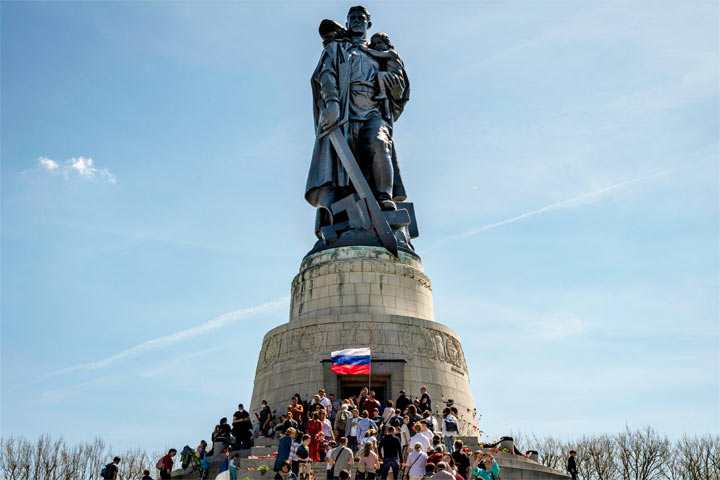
x=351, y=385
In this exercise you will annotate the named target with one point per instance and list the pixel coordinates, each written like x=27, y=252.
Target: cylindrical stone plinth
x=351, y=280
x=351, y=297
x=407, y=353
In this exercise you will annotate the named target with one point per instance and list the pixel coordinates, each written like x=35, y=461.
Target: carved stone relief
x=311, y=340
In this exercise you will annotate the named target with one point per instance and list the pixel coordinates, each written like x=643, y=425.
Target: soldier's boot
x=386, y=202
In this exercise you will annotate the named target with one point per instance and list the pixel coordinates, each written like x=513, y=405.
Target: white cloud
x=81, y=166
x=162, y=342
x=84, y=166
x=48, y=163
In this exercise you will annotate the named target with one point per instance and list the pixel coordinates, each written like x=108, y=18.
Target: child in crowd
x=297, y=441
x=369, y=437
x=322, y=446
x=328, y=456
x=303, y=458
x=204, y=467
x=285, y=472
x=234, y=464
x=202, y=449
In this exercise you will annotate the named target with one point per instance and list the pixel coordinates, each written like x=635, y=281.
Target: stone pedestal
x=351, y=297
x=349, y=280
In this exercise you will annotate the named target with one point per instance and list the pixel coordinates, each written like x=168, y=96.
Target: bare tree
x=629, y=455
x=551, y=452
x=599, y=458
x=47, y=459
x=14, y=464
x=697, y=458
x=522, y=441
x=134, y=462
x=641, y=454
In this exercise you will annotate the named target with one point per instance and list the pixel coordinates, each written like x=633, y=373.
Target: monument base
x=362, y=296
x=407, y=353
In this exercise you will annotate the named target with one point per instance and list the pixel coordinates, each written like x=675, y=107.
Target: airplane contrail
x=161, y=342
x=556, y=205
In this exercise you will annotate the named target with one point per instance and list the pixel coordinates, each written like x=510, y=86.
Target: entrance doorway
x=350, y=385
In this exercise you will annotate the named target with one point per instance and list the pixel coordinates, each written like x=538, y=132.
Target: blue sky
x=562, y=158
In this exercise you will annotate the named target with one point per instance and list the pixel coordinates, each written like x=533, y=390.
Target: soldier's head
x=358, y=21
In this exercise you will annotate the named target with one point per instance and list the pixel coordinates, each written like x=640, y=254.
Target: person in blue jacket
x=284, y=448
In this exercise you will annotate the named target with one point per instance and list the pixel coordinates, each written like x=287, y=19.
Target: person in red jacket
x=167, y=463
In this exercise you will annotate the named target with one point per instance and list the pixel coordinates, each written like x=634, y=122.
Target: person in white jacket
x=449, y=429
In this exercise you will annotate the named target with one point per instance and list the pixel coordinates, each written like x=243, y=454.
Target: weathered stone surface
x=351, y=278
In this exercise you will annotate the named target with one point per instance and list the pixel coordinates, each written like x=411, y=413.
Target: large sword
x=382, y=227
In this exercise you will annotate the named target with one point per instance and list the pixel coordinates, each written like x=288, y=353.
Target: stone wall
x=351, y=280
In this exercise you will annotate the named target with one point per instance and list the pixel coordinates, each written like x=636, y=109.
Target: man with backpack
x=396, y=422
x=110, y=472
x=165, y=464
x=449, y=429
x=341, y=419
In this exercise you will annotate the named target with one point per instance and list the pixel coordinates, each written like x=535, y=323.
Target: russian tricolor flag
x=351, y=361
x=224, y=472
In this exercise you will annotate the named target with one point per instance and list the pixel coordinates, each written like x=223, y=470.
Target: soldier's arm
x=328, y=79
x=329, y=90
x=380, y=55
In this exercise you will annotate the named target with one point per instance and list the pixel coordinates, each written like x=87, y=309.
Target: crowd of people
x=324, y=418
x=402, y=437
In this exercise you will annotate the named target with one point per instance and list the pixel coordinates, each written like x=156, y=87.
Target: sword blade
x=382, y=227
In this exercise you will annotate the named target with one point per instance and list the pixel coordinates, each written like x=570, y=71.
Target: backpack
x=396, y=421
x=341, y=419
x=160, y=465
x=103, y=472
x=450, y=425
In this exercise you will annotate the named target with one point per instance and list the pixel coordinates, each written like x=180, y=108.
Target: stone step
x=266, y=442
x=255, y=463
x=512, y=467
x=517, y=468
x=260, y=451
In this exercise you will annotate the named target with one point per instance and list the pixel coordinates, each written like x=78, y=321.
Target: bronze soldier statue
x=360, y=92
